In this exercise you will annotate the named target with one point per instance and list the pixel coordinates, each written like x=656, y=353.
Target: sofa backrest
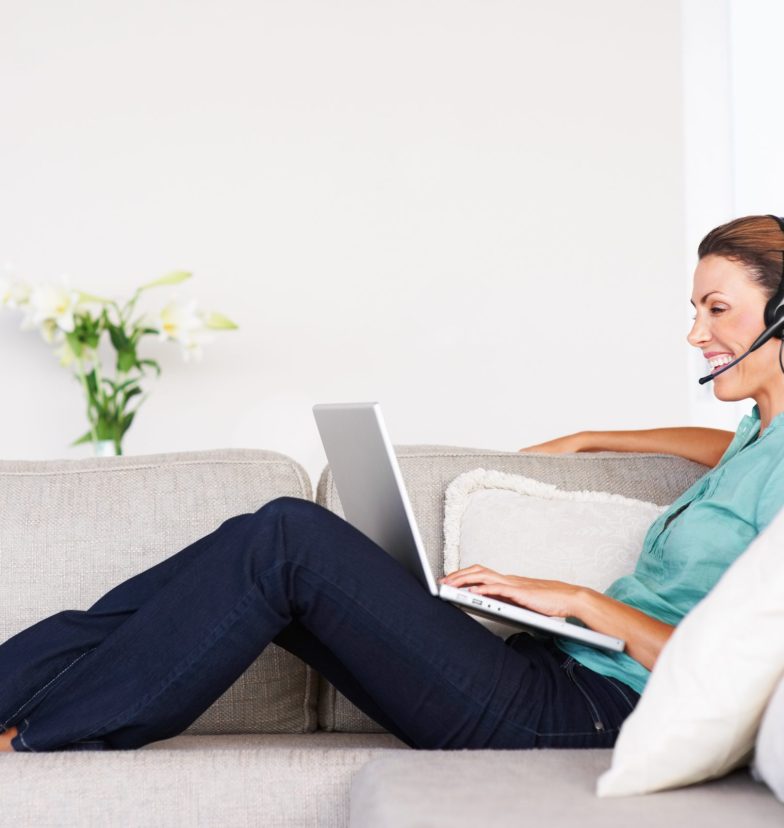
x=428, y=470
x=72, y=529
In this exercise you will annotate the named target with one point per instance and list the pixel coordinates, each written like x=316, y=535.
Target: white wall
x=757, y=93
x=470, y=211
x=733, y=127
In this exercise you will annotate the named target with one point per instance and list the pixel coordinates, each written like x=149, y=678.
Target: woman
x=153, y=653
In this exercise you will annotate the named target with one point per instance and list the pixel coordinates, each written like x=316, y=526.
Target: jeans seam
x=41, y=689
x=20, y=734
x=597, y=719
x=615, y=684
x=177, y=672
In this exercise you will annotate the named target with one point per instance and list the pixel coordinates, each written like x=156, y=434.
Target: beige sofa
x=281, y=747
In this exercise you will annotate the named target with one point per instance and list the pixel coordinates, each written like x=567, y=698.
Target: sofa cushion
x=515, y=524
x=72, y=529
x=700, y=711
x=428, y=470
x=270, y=780
x=552, y=788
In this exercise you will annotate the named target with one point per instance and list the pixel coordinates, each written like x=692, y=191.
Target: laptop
x=375, y=501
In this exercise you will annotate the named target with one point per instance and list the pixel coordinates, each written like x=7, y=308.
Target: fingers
x=498, y=589
x=471, y=575
x=476, y=569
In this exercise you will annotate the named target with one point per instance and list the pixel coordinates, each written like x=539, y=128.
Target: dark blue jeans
x=153, y=653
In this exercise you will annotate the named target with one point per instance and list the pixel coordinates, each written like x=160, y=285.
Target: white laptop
x=374, y=500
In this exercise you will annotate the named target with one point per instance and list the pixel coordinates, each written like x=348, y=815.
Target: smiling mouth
x=719, y=363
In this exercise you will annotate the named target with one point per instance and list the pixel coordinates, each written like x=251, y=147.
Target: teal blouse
x=686, y=550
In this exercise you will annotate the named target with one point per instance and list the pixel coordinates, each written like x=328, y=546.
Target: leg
x=444, y=680
x=302, y=643
x=35, y=658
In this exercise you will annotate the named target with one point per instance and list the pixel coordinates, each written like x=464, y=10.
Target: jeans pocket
x=629, y=696
x=571, y=667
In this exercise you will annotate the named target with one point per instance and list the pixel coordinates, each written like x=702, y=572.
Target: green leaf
x=85, y=438
x=91, y=383
x=218, y=320
x=170, y=279
x=127, y=382
x=130, y=394
x=104, y=430
x=126, y=360
x=75, y=343
x=89, y=297
x=119, y=337
x=150, y=362
x=126, y=423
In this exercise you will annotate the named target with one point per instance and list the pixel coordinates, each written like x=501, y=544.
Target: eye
x=715, y=308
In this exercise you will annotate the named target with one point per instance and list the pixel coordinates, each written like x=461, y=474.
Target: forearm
x=645, y=636
x=703, y=445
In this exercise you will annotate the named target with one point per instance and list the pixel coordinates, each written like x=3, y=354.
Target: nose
x=699, y=334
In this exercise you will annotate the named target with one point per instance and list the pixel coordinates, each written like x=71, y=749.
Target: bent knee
x=293, y=518
x=287, y=506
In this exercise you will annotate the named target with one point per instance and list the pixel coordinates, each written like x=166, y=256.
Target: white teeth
x=717, y=362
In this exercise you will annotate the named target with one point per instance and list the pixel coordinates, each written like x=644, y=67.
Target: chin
x=726, y=394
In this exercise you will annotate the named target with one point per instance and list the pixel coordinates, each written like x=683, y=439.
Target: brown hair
x=754, y=241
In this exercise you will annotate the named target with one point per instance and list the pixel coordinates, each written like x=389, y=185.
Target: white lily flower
x=13, y=293
x=191, y=347
x=181, y=322
x=177, y=320
x=65, y=354
x=52, y=306
x=49, y=331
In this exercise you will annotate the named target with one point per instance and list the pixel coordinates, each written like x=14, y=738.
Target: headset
x=774, y=321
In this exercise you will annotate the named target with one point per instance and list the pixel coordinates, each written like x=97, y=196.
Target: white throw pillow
x=517, y=525
x=701, y=708
x=768, y=763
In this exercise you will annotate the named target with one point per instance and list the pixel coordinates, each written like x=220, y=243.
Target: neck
x=768, y=410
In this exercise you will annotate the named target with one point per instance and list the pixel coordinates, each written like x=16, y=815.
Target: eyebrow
x=709, y=293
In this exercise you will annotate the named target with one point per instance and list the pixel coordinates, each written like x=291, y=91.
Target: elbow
x=657, y=647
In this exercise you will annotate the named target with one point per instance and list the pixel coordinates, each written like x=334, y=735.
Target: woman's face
x=729, y=316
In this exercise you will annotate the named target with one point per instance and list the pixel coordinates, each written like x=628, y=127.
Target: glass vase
x=104, y=448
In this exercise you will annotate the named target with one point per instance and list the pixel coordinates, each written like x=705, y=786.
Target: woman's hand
x=548, y=597
x=561, y=445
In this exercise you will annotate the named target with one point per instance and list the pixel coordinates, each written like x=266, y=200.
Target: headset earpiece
x=774, y=309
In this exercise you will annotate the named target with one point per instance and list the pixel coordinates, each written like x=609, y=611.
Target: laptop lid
x=369, y=482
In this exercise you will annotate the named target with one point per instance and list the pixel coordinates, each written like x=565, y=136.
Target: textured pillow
x=768, y=763
x=701, y=708
x=521, y=526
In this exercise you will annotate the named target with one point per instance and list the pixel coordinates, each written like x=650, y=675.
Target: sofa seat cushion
x=72, y=529
x=553, y=788
x=270, y=780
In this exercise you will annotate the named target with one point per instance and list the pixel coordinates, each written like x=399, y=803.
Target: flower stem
x=83, y=378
